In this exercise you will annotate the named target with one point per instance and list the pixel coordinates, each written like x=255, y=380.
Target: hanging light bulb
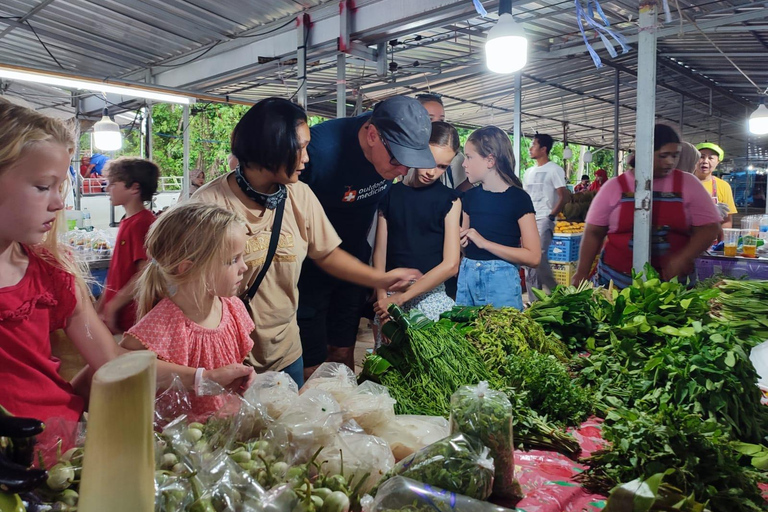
x=106, y=133
x=758, y=121
x=567, y=153
x=587, y=156
x=506, y=47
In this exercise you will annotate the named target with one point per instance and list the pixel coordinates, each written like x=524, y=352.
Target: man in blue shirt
x=96, y=165
x=352, y=162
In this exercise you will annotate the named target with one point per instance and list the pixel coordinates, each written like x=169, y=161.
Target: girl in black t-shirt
x=418, y=227
x=498, y=228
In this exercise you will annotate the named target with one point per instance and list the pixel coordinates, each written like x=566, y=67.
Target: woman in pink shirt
x=684, y=220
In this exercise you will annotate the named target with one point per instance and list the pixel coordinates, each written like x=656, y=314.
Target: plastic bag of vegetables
x=357, y=456
x=369, y=405
x=335, y=378
x=407, y=433
x=486, y=414
x=274, y=390
x=312, y=421
x=458, y=463
x=406, y=495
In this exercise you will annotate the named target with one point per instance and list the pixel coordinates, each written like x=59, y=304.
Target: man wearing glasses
x=352, y=162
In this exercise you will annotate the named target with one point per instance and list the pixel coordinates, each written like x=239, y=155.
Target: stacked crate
x=563, y=256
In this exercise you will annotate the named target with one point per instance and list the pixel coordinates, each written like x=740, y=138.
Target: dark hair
x=266, y=135
x=130, y=170
x=545, y=141
x=664, y=134
x=584, y=177
x=492, y=140
x=426, y=97
x=444, y=134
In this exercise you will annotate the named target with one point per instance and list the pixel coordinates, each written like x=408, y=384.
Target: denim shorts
x=489, y=282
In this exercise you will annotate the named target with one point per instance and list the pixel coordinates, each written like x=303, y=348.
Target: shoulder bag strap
x=276, y=225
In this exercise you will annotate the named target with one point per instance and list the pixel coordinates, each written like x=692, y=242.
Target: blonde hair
x=21, y=129
x=196, y=232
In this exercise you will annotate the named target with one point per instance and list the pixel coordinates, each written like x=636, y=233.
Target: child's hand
x=380, y=307
x=471, y=235
x=236, y=377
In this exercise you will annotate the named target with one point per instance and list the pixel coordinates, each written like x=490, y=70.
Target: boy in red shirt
x=132, y=183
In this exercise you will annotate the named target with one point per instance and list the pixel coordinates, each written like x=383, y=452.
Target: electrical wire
x=26, y=22
x=214, y=45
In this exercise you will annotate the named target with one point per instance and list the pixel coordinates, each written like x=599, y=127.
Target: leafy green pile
x=548, y=388
x=744, y=305
x=704, y=461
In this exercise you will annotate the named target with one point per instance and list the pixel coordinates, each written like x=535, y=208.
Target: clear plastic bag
x=406, y=495
x=312, y=422
x=335, y=378
x=407, y=434
x=275, y=391
x=365, y=458
x=458, y=463
x=369, y=405
x=486, y=414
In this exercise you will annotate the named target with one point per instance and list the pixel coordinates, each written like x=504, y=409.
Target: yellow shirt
x=724, y=192
x=305, y=231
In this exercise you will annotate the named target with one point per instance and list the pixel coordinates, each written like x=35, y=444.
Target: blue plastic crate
x=564, y=248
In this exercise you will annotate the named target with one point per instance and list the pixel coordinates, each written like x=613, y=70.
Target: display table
x=738, y=267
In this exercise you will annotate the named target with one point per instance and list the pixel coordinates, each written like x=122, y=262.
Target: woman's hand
x=234, y=377
x=471, y=235
x=579, y=277
x=678, y=265
x=381, y=305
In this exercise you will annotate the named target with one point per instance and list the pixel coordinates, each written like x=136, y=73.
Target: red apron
x=669, y=230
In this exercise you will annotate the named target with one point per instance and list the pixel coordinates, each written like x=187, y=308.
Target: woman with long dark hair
x=498, y=228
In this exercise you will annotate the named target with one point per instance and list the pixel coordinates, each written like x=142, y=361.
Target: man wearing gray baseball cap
x=352, y=162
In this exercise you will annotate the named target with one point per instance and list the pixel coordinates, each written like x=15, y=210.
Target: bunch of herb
x=571, y=314
x=497, y=333
x=744, y=306
x=458, y=463
x=704, y=461
x=487, y=414
x=550, y=390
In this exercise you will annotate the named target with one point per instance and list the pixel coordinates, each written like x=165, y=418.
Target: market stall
x=545, y=410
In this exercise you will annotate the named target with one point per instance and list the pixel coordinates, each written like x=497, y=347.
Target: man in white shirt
x=545, y=183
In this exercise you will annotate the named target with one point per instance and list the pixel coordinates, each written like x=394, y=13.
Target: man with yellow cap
x=719, y=190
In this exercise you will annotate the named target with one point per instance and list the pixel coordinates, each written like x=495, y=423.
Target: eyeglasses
x=392, y=160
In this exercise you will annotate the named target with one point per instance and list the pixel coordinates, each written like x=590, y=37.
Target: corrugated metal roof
x=119, y=38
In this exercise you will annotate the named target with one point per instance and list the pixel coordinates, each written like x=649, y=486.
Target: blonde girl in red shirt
x=40, y=285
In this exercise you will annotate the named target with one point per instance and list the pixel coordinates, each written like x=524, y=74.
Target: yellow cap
x=714, y=147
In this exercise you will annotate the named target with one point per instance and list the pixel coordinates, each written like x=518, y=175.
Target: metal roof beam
x=673, y=30
x=376, y=21
x=39, y=7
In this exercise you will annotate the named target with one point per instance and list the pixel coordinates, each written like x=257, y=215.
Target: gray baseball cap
x=405, y=125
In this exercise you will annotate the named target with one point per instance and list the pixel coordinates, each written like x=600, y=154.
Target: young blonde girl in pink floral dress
x=188, y=310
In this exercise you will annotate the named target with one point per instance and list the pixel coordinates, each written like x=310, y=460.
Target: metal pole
x=78, y=178
x=682, y=115
x=185, y=179
x=301, y=59
x=616, y=123
x=341, y=85
x=646, y=108
x=518, y=119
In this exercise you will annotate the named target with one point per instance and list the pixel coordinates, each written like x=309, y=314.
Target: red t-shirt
x=39, y=304
x=129, y=251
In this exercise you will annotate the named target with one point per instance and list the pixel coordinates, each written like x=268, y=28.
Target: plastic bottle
x=87, y=225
